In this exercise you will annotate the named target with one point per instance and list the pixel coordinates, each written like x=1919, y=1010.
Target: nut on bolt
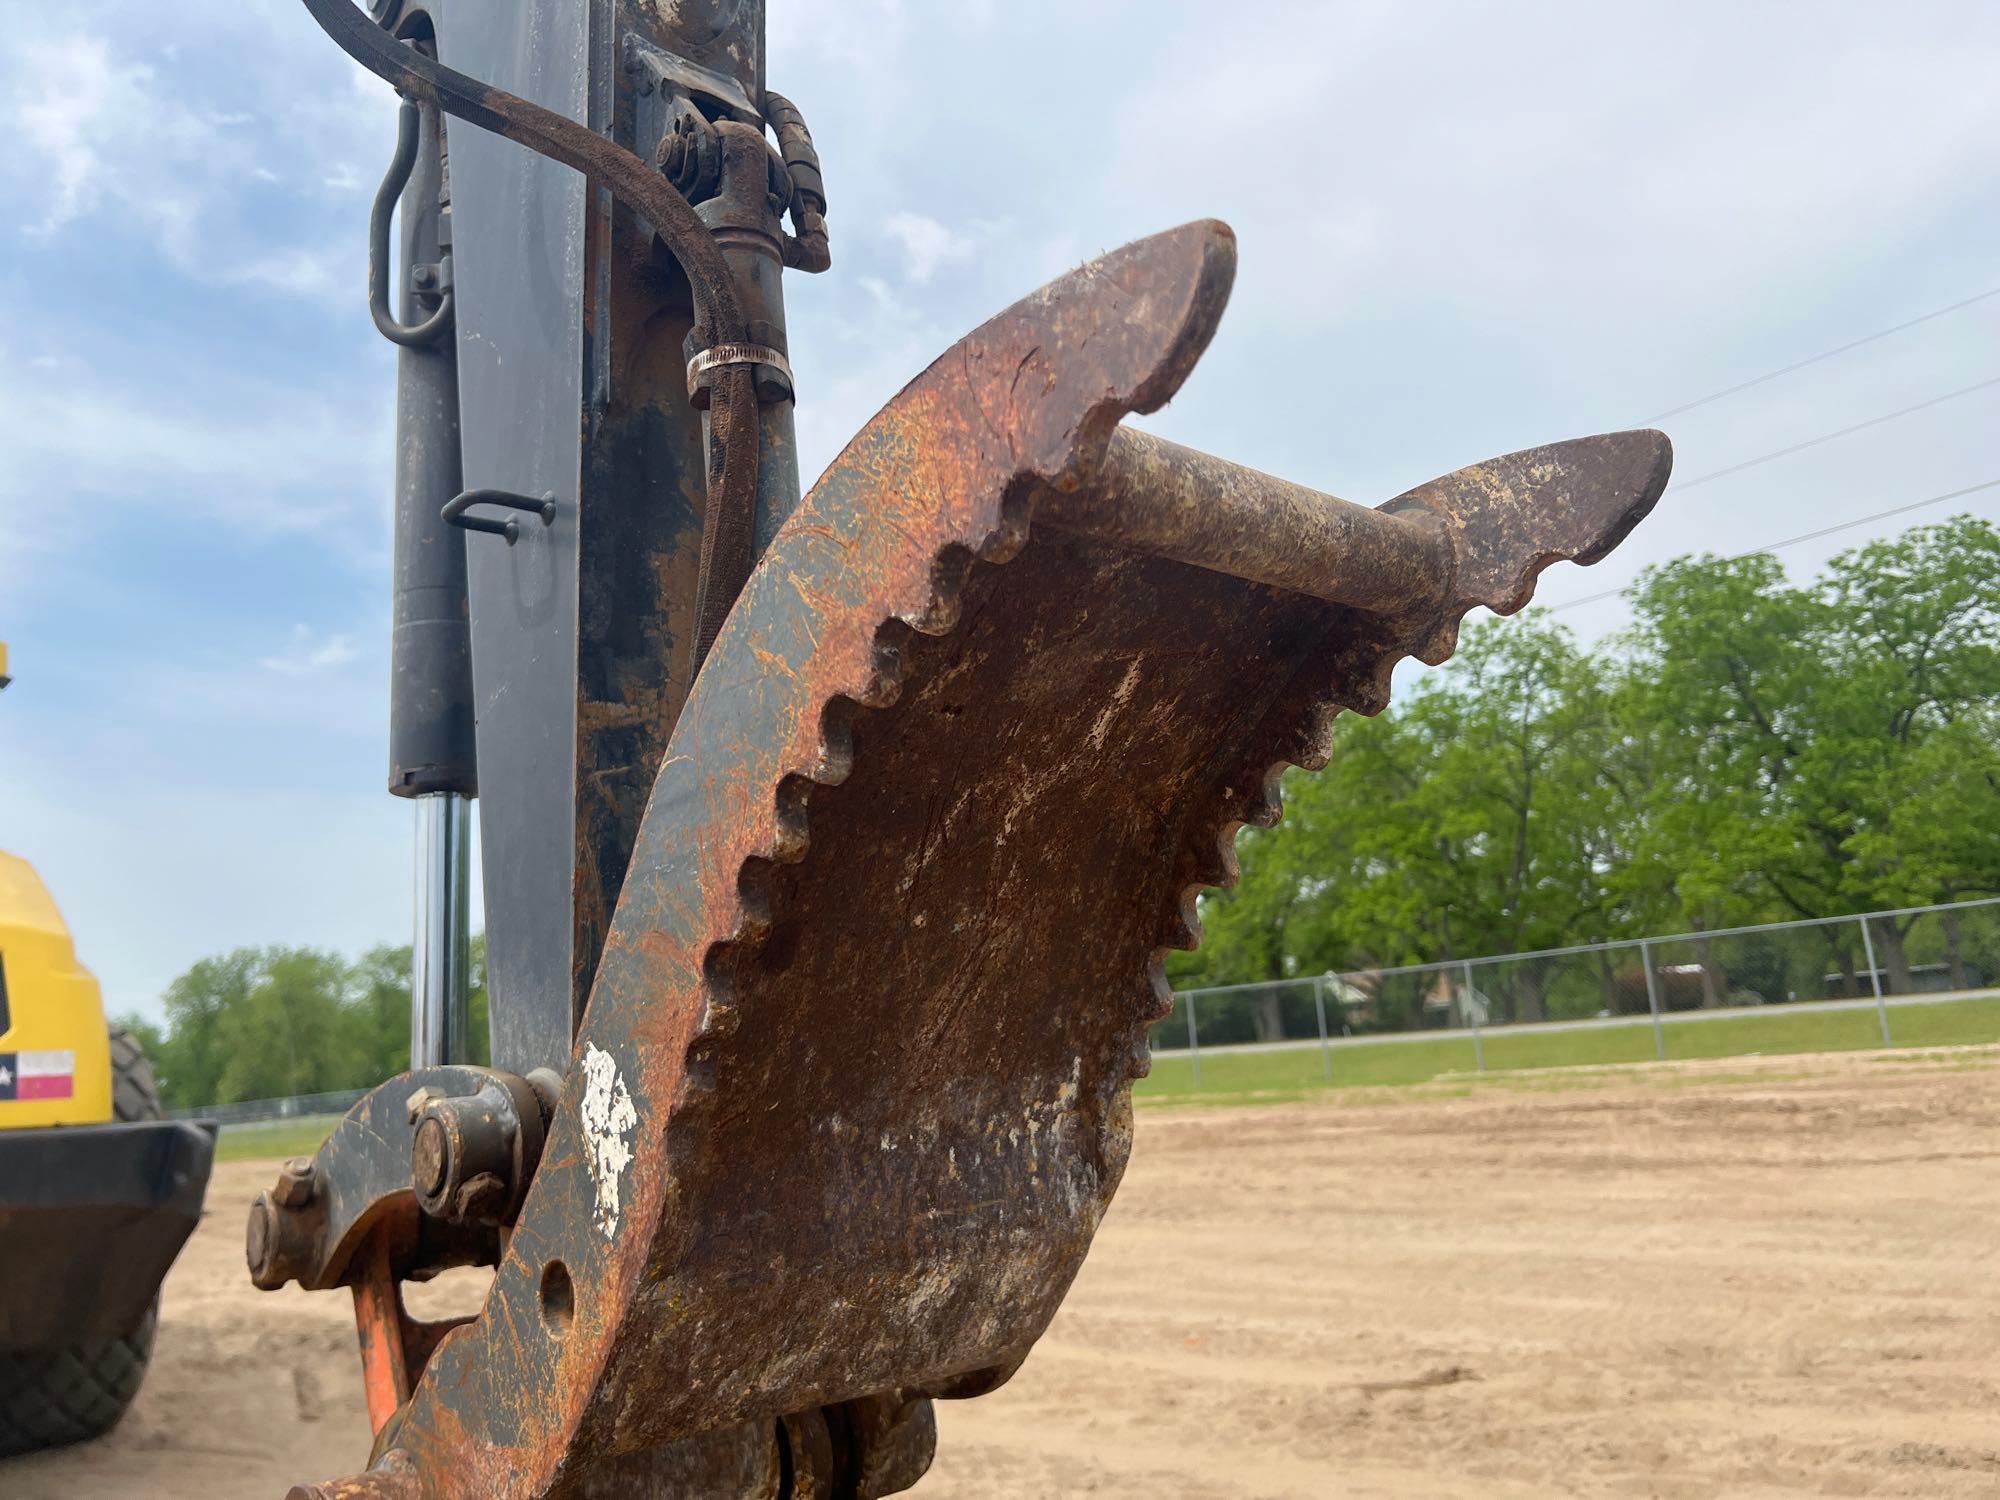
x=295, y=1183
x=471, y=1155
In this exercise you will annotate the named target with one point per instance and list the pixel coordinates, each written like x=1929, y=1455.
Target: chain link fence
x=245, y=1111
x=1875, y=962
x=1641, y=987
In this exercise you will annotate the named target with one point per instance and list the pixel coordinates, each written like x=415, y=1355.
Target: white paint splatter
x=608, y=1117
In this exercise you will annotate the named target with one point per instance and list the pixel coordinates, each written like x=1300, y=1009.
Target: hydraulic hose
x=732, y=495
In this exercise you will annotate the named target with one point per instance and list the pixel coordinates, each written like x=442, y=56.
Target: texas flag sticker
x=37, y=1075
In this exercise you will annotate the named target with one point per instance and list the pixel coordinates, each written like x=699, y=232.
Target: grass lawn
x=1229, y=1077
x=1287, y=1074
x=262, y=1138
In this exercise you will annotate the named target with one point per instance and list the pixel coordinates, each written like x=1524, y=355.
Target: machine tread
x=135, y=1094
x=51, y=1397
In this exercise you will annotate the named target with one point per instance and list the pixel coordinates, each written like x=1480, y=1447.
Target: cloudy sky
x=1464, y=229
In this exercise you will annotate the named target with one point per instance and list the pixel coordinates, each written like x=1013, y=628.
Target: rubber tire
x=135, y=1095
x=50, y=1397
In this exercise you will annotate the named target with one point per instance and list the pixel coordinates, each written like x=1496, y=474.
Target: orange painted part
x=378, y=1320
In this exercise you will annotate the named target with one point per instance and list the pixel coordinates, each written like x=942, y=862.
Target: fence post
x=1653, y=1000
x=1875, y=979
x=1319, y=1009
x=1194, y=1042
x=1478, y=1047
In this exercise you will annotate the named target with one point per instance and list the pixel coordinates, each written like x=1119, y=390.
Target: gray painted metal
x=430, y=661
x=520, y=273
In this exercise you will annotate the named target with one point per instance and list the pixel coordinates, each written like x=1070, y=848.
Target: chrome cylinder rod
x=441, y=949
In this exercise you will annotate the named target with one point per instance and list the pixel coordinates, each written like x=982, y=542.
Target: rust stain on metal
x=641, y=553
x=884, y=959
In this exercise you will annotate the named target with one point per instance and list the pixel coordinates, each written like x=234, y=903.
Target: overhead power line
x=1827, y=437
x=1804, y=536
x=1829, y=354
x=1764, y=458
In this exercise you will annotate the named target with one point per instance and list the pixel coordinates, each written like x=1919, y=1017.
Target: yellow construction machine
x=98, y=1191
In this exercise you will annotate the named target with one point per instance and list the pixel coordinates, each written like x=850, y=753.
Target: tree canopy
x=271, y=1023
x=1749, y=749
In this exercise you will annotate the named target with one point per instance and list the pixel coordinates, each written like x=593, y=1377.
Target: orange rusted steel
x=1161, y=498
x=852, y=1092
x=378, y=1322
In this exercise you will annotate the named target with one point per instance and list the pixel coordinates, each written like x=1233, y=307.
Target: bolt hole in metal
x=558, y=1298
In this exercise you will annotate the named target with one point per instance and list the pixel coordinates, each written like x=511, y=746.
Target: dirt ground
x=1757, y=1278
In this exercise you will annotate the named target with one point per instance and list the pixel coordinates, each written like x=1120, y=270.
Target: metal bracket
x=652, y=67
x=408, y=335
x=455, y=508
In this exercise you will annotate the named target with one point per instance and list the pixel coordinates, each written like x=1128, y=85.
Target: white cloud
x=109, y=139
x=927, y=244
x=164, y=146
x=92, y=441
x=310, y=653
x=64, y=110
x=331, y=276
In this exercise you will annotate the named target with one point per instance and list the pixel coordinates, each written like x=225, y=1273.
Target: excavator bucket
x=852, y=1092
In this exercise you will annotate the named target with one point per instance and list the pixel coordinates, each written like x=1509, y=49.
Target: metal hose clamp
x=721, y=355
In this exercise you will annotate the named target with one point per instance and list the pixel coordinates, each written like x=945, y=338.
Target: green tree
x=380, y=985
x=197, y=1005
x=1749, y=749
x=294, y=1032
x=1802, y=732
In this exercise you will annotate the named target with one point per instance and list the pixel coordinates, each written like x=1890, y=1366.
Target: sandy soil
x=1744, y=1279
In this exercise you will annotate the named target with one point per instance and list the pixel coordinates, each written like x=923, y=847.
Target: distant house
x=1352, y=1001
x=1452, y=1003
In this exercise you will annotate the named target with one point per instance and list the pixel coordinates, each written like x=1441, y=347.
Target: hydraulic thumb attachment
x=853, y=1089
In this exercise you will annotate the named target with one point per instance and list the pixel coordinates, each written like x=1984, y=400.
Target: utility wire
x=1829, y=354
x=1805, y=536
x=1827, y=437
x=1751, y=463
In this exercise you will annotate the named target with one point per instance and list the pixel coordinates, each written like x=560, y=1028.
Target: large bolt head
x=430, y=1157
x=257, y=1238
